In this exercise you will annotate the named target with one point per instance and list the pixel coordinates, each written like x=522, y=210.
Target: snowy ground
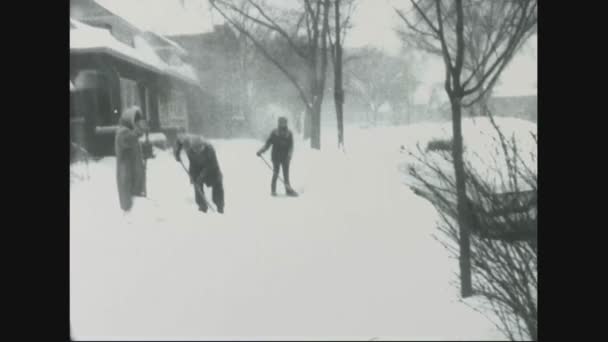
x=483, y=149
x=353, y=257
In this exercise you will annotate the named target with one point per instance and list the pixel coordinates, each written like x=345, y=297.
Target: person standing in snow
x=281, y=140
x=204, y=169
x=130, y=169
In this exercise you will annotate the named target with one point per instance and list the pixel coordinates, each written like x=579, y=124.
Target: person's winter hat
x=196, y=142
x=130, y=116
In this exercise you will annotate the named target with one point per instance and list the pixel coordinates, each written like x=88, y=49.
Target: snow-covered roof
x=175, y=45
x=87, y=38
x=184, y=71
x=165, y=42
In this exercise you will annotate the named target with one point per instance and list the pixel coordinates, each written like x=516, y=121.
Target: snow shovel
x=287, y=186
x=198, y=189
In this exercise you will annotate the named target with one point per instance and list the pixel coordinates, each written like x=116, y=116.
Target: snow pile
x=353, y=256
x=79, y=171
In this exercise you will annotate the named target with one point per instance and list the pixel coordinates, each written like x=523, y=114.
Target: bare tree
x=379, y=79
x=306, y=35
x=247, y=59
x=340, y=28
x=504, y=223
x=476, y=39
x=338, y=91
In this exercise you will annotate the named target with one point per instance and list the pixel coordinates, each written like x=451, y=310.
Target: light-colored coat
x=130, y=169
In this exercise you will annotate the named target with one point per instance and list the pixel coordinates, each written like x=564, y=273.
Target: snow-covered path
x=353, y=257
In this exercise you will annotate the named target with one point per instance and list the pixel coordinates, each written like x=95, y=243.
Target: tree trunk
x=319, y=83
x=463, y=208
x=245, y=103
x=308, y=122
x=313, y=112
x=338, y=91
x=315, y=120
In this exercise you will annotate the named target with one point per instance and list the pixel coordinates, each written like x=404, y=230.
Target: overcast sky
x=373, y=20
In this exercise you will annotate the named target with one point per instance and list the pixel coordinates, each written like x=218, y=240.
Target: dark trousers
x=277, y=164
x=217, y=195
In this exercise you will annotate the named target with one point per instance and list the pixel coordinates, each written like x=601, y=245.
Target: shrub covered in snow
x=501, y=181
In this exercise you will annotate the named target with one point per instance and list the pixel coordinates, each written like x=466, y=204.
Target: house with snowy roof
x=115, y=65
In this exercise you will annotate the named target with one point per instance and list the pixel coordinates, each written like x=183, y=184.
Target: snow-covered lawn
x=353, y=257
x=483, y=151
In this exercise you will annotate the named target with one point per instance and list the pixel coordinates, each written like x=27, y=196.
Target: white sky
x=373, y=20
x=164, y=16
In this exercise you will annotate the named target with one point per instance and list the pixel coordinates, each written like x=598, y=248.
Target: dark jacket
x=282, y=145
x=204, y=165
x=130, y=170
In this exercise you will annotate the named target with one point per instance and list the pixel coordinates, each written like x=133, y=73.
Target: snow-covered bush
x=501, y=181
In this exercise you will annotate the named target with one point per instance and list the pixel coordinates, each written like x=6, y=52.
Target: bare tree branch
x=444, y=46
x=271, y=24
x=264, y=52
x=524, y=25
x=278, y=29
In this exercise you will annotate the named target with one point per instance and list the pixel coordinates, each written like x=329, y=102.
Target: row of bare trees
x=306, y=26
x=476, y=39
x=379, y=79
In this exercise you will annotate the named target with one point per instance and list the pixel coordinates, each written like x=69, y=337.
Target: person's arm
x=266, y=145
x=128, y=138
x=178, y=149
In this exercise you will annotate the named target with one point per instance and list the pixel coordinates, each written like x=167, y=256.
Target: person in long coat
x=130, y=169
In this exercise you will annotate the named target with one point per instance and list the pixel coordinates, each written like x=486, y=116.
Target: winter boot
x=290, y=192
x=273, y=188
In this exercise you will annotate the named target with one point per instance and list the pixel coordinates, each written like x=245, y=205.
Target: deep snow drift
x=353, y=257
